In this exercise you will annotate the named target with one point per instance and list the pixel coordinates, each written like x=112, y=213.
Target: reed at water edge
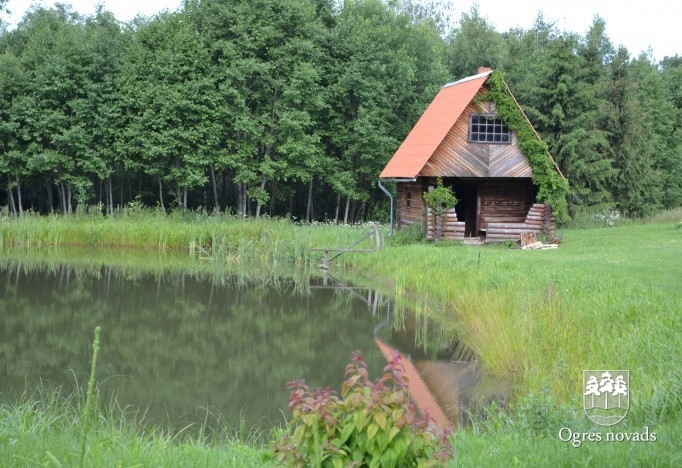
x=226, y=238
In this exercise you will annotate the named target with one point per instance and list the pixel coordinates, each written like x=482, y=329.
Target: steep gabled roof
x=432, y=127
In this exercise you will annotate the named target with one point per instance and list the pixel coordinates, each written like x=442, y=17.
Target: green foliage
x=294, y=107
x=541, y=416
x=408, y=235
x=552, y=187
x=440, y=198
x=475, y=43
x=383, y=68
x=373, y=424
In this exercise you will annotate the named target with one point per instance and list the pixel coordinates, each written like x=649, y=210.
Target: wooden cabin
x=460, y=139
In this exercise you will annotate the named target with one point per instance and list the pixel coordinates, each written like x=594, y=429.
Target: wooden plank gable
x=457, y=157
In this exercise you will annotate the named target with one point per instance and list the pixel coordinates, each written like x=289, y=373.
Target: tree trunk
x=21, y=209
x=184, y=200
x=62, y=196
x=68, y=198
x=353, y=217
x=163, y=208
x=345, y=215
x=309, y=208
x=101, y=184
x=10, y=195
x=216, y=204
x=242, y=199
x=110, y=196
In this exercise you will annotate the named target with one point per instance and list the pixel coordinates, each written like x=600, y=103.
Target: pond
x=181, y=347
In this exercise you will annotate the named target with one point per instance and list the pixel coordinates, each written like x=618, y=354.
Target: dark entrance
x=467, y=207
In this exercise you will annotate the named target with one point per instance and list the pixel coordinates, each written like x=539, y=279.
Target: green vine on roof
x=552, y=187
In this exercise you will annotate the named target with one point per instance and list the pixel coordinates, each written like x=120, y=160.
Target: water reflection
x=452, y=387
x=176, y=344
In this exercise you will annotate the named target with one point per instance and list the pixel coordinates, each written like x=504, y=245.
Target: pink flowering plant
x=373, y=424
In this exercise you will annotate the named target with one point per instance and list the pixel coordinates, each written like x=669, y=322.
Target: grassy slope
x=608, y=298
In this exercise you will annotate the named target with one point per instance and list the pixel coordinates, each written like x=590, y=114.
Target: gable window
x=488, y=129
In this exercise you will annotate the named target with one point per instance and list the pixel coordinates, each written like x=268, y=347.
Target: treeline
x=293, y=107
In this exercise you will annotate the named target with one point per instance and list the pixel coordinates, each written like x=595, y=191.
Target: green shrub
x=374, y=424
x=413, y=234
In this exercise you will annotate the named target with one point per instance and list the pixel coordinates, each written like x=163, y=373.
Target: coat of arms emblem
x=606, y=395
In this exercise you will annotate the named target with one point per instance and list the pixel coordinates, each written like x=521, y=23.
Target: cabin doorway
x=467, y=207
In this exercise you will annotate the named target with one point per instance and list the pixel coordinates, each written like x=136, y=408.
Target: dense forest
x=293, y=107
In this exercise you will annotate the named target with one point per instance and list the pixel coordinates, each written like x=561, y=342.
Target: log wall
x=452, y=228
x=410, y=204
x=506, y=211
x=505, y=201
x=539, y=219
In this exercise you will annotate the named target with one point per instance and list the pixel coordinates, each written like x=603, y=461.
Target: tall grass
x=87, y=413
x=504, y=441
x=43, y=429
x=606, y=298
x=222, y=237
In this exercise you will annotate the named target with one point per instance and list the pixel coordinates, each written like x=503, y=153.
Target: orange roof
x=432, y=127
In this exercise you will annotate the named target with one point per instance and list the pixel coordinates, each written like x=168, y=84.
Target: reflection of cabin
x=475, y=153
x=449, y=389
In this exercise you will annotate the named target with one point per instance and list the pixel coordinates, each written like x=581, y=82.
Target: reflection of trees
x=175, y=342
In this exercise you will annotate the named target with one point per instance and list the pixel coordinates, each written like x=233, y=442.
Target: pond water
x=178, y=346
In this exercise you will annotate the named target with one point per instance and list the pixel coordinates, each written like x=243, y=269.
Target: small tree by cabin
x=475, y=140
x=439, y=199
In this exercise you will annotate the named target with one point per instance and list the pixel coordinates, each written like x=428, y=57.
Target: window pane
x=487, y=129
